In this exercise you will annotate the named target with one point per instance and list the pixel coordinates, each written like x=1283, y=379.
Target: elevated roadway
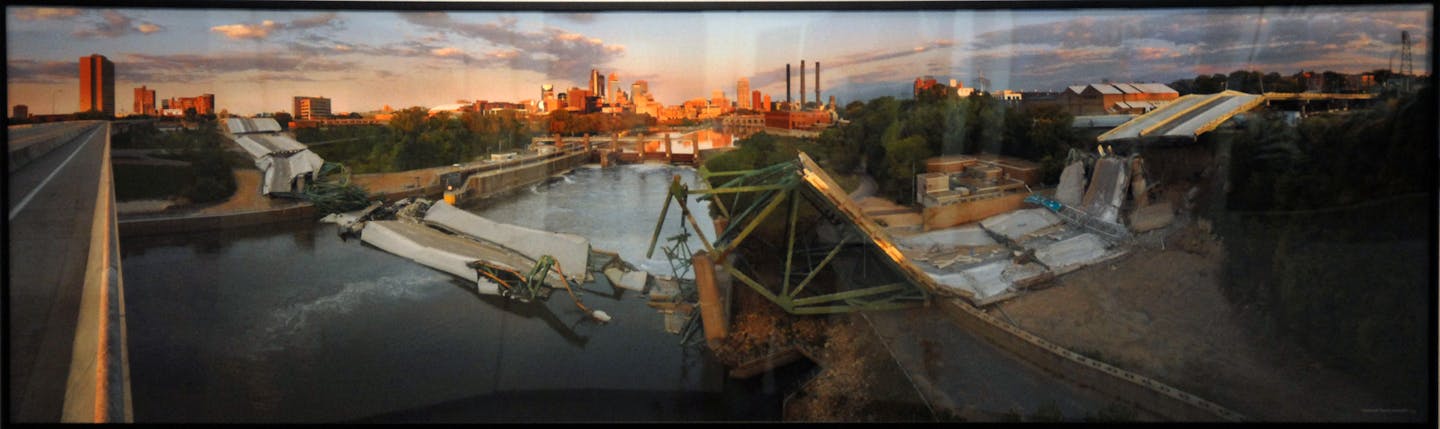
x=1186, y=117
x=65, y=300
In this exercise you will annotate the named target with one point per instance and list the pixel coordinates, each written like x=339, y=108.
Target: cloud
x=582, y=18
x=45, y=13
x=448, y=51
x=194, y=67
x=555, y=52
x=246, y=31
x=31, y=71
x=1170, y=46
x=116, y=24
x=264, y=29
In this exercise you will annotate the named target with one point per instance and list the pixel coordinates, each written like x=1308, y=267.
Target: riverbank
x=246, y=207
x=1160, y=312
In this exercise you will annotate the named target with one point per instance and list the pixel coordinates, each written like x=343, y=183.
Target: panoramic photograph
x=454, y=212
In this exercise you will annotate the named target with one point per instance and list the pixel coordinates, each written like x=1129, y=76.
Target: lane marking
x=33, y=192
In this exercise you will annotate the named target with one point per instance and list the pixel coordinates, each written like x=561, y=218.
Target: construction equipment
x=1071, y=215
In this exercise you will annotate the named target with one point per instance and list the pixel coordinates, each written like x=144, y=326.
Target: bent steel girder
x=755, y=197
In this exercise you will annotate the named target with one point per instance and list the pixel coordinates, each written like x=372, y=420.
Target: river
x=290, y=323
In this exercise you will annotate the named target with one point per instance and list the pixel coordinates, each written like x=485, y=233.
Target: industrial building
x=145, y=101
x=311, y=108
x=961, y=189
x=1110, y=99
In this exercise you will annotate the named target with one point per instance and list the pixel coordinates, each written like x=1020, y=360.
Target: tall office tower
x=755, y=101
x=144, y=101
x=547, y=97
x=802, y=84
x=767, y=103
x=637, y=91
x=97, y=84
x=595, y=81
x=614, y=92
x=742, y=90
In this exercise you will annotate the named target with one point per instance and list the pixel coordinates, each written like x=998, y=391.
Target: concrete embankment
x=1136, y=390
x=491, y=183
x=193, y=223
x=479, y=185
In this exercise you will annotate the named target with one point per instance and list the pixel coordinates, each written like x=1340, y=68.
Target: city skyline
x=257, y=61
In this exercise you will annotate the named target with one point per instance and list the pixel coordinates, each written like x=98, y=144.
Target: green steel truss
x=765, y=191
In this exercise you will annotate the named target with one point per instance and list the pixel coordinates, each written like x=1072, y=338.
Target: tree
x=284, y=119
x=904, y=158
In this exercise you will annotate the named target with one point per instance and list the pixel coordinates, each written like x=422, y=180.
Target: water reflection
x=290, y=323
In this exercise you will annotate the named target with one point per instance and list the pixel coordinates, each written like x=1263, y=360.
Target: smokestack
x=817, y=82
x=802, y=84
x=787, y=83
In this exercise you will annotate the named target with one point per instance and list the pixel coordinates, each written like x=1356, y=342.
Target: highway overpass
x=66, y=339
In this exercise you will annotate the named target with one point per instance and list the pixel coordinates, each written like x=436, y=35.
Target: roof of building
x=1155, y=88
x=1128, y=88
x=1075, y=88
x=1106, y=88
x=449, y=108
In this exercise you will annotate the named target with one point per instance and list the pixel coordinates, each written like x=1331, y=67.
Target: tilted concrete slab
x=1015, y=225
x=965, y=236
x=1072, y=184
x=1072, y=252
x=1107, y=189
x=431, y=248
x=251, y=125
x=984, y=280
x=571, y=251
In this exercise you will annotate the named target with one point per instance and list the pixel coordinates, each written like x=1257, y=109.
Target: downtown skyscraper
x=97, y=84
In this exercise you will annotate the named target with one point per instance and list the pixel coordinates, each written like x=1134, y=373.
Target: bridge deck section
x=65, y=302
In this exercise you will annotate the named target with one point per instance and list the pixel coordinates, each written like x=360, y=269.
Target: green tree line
x=1324, y=241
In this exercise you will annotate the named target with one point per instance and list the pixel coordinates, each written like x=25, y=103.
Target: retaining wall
x=177, y=224
x=491, y=183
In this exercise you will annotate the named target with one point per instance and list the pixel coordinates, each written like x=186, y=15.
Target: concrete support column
x=712, y=310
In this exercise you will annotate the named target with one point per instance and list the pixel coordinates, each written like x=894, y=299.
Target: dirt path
x=1161, y=313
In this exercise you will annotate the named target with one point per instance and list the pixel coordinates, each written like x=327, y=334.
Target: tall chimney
x=817, y=83
x=802, y=84
x=787, y=83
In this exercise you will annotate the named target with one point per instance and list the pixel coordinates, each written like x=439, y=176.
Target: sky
x=257, y=60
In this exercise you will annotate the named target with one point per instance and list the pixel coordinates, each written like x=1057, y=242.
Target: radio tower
x=1407, y=62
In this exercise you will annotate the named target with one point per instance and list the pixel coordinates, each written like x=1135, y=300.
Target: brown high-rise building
x=145, y=101
x=205, y=104
x=755, y=100
x=767, y=104
x=97, y=84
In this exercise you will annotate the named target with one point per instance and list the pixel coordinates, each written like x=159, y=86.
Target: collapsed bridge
x=748, y=201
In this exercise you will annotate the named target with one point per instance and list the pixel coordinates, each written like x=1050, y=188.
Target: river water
x=290, y=323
